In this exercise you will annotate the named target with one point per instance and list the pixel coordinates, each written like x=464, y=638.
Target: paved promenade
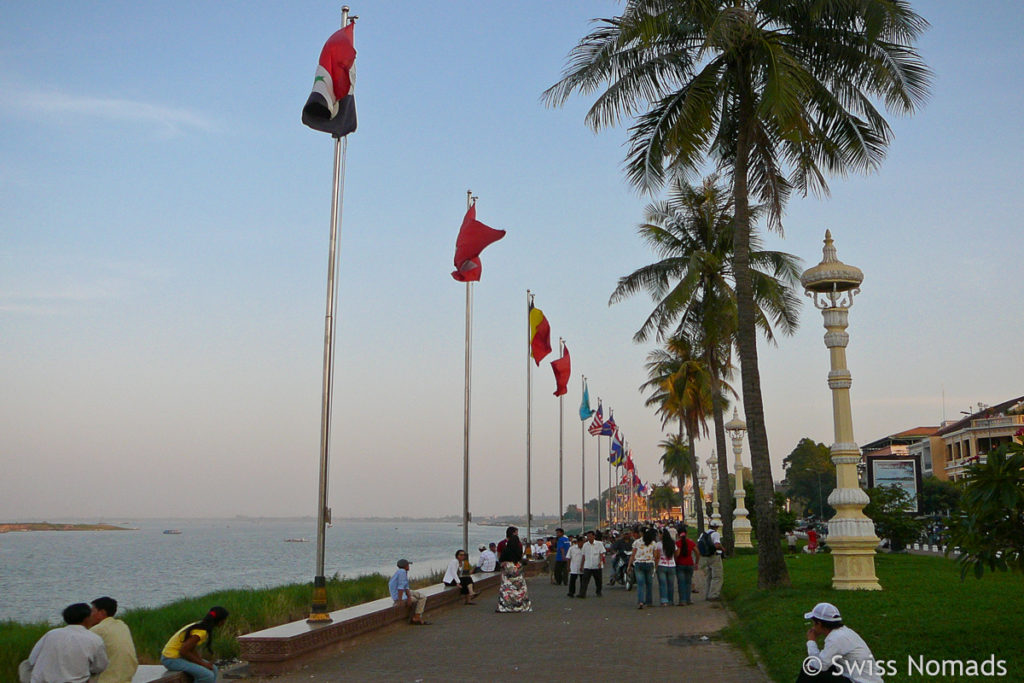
x=600, y=639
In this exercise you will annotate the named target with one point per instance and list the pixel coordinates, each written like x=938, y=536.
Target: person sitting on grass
x=181, y=653
x=845, y=657
x=402, y=593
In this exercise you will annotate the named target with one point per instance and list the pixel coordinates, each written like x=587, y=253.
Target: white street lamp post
x=832, y=285
x=713, y=464
x=737, y=429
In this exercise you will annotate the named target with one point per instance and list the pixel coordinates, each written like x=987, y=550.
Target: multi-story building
x=968, y=441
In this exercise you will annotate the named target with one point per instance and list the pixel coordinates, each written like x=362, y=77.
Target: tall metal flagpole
x=583, y=466
x=470, y=200
x=561, y=352
x=598, y=468
x=318, y=610
x=529, y=402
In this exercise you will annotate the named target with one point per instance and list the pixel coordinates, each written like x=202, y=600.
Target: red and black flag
x=331, y=106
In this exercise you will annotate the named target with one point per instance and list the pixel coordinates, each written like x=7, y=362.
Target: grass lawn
x=922, y=611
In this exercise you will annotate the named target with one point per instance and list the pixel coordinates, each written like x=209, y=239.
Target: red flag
x=629, y=462
x=473, y=238
x=561, y=368
x=331, y=106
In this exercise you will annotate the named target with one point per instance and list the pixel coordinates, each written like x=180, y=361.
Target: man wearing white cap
x=845, y=656
x=709, y=545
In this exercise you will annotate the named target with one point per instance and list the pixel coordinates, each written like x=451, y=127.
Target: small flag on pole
x=561, y=367
x=595, y=426
x=629, y=462
x=585, y=410
x=331, y=106
x=609, y=428
x=615, y=453
x=473, y=238
x=540, y=334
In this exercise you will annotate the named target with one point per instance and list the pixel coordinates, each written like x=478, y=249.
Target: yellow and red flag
x=540, y=334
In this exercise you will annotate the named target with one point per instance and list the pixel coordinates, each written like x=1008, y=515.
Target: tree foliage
x=811, y=477
x=989, y=530
x=938, y=497
x=888, y=510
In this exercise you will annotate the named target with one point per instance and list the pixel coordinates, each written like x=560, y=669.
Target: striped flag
x=609, y=428
x=331, y=107
x=598, y=423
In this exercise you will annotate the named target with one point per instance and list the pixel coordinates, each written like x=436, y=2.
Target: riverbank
x=11, y=527
x=251, y=610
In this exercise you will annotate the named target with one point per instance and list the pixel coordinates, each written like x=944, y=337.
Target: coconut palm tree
x=681, y=390
x=675, y=462
x=775, y=92
x=692, y=288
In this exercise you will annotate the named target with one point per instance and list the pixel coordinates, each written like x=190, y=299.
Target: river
x=42, y=572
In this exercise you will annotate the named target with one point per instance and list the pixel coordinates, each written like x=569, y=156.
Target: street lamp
x=737, y=429
x=831, y=285
x=712, y=463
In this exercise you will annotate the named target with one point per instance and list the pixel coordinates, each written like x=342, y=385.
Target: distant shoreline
x=11, y=527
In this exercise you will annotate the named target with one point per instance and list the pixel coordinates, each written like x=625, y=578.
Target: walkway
x=600, y=639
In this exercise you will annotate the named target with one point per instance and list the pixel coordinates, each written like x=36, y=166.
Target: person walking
x=642, y=562
x=666, y=569
x=709, y=544
x=181, y=653
x=686, y=560
x=575, y=556
x=562, y=546
x=593, y=560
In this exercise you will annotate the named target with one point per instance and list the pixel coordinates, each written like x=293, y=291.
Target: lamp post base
x=854, y=563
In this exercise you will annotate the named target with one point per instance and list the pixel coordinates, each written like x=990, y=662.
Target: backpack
x=704, y=545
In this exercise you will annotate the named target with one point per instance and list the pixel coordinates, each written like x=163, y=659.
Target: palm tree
x=692, y=287
x=681, y=390
x=776, y=92
x=675, y=462
x=662, y=498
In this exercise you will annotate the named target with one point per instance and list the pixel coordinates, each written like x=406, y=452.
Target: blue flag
x=608, y=428
x=585, y=410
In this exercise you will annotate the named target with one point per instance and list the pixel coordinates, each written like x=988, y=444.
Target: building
x=968, y=441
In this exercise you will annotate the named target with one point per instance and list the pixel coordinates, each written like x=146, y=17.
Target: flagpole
x=318, y=609
x=598, y=468
x=470, y=200
x=583, y=464
x=561, y=433
x=529, y=407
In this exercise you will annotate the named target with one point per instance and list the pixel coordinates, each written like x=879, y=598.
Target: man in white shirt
x=593, y=560
x=711, y=565
x=70, y=654
x=575, y=558
x=488, y=560
x=117, y=639
x=845, y=657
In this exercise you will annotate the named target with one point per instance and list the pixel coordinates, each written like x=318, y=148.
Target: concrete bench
x=283, y=648
x=156, y=673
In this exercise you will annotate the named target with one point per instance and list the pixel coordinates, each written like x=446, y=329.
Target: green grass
x=251, y=610
x=923, y=611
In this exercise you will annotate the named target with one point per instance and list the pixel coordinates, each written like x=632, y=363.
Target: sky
x=164, y=225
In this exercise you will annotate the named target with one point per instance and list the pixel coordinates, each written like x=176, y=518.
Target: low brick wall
x=284, y=648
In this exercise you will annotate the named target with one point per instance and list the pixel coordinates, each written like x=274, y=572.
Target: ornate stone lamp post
x=832, y=285
x=737, y=429
x=713, y=465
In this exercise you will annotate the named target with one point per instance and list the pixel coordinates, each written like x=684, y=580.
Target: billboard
x=903, y=471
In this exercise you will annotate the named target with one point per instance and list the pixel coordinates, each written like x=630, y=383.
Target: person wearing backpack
x=709, y=545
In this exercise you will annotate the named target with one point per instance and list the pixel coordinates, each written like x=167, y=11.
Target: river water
x=42, y=572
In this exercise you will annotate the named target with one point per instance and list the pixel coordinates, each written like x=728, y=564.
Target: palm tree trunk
x=724, y=491
x=771, y=565
x=697, y=499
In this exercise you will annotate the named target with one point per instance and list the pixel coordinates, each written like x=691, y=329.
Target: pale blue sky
x=163, y=246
